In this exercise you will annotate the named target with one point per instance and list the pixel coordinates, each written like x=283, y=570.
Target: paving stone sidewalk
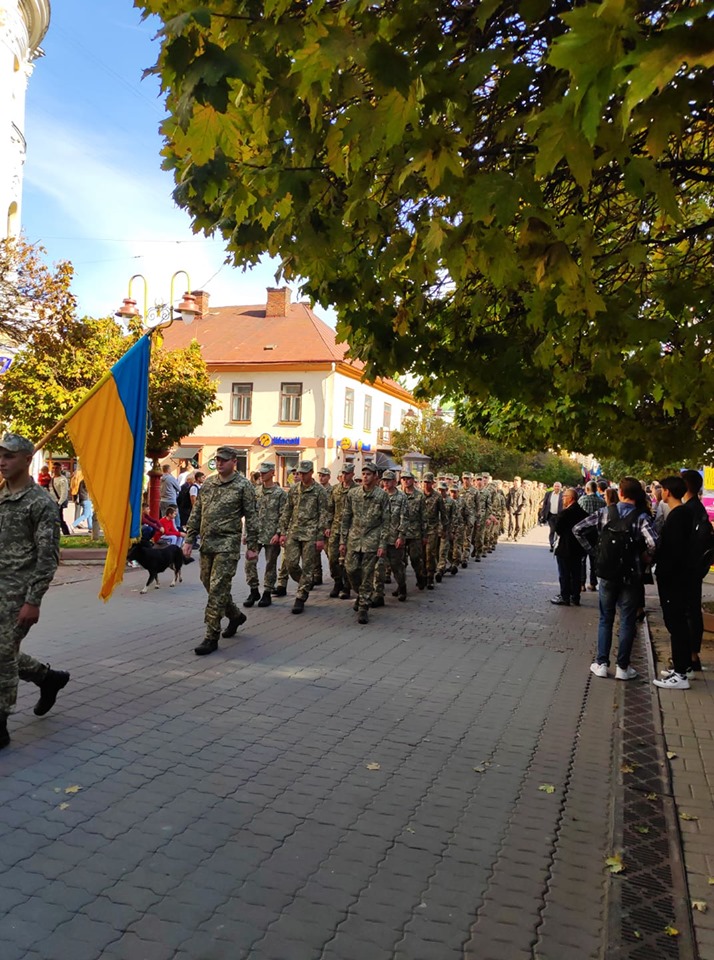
x=437, y=784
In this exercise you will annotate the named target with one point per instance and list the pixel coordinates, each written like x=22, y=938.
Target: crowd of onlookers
x=618, y=539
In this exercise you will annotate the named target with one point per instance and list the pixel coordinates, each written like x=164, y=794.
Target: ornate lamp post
x=160, y=316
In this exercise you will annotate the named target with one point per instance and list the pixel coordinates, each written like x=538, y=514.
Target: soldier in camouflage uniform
x=435, y=516
x=29, y=532
x=498, y=514
x=462, y=522
x=396, y=538
x=415, y=528
x=447, y=533
x=323, y=476
x=467, y=495
x=303, y=523
x=516, y=506
x=363, y=536
x=346, y=482
x=269, y=502
x=224, y=499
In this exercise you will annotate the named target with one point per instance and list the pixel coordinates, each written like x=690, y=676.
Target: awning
x=384, y=462
x=184, y=453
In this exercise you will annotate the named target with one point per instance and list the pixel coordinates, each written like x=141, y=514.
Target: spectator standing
x=661, y=509
x=59, y=491
x=693, y=590
x=590, y=502
x=86, y=508
x=550, y=509
x=624, y=532
x=168, y=490
x=674, y=570
x=569, y=552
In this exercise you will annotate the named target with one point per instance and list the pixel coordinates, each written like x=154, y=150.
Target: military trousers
x=479, y=534
x=446, y=553
x=300, y=558
x=14, y=665
x=415, y=553
x=337, y=564
x=515, y=525
x=466, y=541
x=284, y=573
x=432, y=555
x=360, y=566
x=217, y=572
x=272, y=552
x=394, y=560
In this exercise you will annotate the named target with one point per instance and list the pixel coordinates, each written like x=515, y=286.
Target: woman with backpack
x=624, y=539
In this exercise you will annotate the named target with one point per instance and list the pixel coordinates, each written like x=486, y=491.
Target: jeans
x=593, y=576
x=86, y=513
x=626, y=597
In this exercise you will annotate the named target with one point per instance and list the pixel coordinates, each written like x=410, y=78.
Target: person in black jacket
x=693, y=588
x=568, y=552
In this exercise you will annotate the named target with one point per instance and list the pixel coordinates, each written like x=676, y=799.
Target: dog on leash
x=157, y=559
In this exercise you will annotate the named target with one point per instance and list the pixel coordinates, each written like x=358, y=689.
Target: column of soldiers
x=370, y=531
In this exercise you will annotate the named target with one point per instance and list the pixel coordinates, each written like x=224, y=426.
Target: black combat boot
x=453, y=570
x=345, y=593
x=4, y=735
x=335, y=592
x=252, y=597
x=355, y=605
x=438, y=578
x=233, y=624
x=54, y=681
x=299, y=605
x=280, y=592
x=206, y=646
x=266, y=599
x=377, y=601
x=464, y=564
x=362, y=618
x=402, y=595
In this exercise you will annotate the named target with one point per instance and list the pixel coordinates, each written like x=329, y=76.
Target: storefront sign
x=286, y=441
x=345, y=443
x=366, y=447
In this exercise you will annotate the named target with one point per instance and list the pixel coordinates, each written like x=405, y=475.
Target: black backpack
x=183, y=502
x=618, y=549
x=703, y=545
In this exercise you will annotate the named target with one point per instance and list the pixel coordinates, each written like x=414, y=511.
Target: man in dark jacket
x=693, y=588
x=568, y=552
x=551, y=508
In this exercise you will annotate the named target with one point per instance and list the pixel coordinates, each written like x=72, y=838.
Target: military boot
x=362, y=618
x=439, y=577
x=377, y=601
x=252, y=597
x=299, y=605
x=4, y=735
x=233, y=624
x=335, y=592
x=281, y=591
x=345, y=593
x=206, y=646
x=402, y=595
x=53, y=682
x=453, y=570
x=266, y=599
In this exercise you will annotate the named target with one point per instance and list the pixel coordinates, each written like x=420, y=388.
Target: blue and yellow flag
x=108, y=432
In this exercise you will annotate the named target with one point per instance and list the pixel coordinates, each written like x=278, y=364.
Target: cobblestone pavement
x=437, y=784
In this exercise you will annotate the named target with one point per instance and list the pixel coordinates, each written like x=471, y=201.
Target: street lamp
x=158, y=316
x=154, y=318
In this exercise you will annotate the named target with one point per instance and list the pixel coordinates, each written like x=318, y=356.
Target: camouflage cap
x=348, y=468
x=407, y=475
x=14, y=443
x=267, y=467
x=466, y=475
x=227, y=453
x=325, y=471
x=389, y=475
x=370, y=466
x=305, y=466
x=443, y=485
x=428, y=477
x=454, y=488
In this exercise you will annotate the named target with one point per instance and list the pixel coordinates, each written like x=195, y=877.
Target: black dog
x=156, y=560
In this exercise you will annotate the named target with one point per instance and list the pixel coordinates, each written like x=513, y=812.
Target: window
x=286, y=463
x=290, y=402
x=241, y=401
x=349, y=407
x=367, y=424
x=387, y=422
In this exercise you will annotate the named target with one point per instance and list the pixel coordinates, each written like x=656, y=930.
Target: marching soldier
x=345, y=483
x=435, y=516
x=302, y=530
x=323, y=476
x=415, y=527
x=447, y=533
x=270, y=500
x=363, y=537
x=396, y=538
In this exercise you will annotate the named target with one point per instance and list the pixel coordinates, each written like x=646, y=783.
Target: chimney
x=278, y=302
x=202, y=298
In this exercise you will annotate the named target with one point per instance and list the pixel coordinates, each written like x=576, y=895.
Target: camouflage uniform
x=498, y=515
x=336, y=507
x=467, y=495
x=461, y=520
x=482, y=504
x=396, y=530
x=435, y=516
x=416, y=533
x=364, y=531
x=216, y=517
x=303, y=522
x=448, y=533
x=269, y=502
x=29, y=533
x=516, y=505
x=328, y=488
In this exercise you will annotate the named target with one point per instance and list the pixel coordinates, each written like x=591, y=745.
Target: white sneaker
x=676, y=682
x=599, y=669
x=668, y=673
x=629, y=673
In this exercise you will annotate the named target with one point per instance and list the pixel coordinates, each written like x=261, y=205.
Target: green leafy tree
x=32, y=295
x=510, y=199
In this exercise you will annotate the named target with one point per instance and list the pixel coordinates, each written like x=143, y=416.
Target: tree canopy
x=31, y=294
x=512, y=200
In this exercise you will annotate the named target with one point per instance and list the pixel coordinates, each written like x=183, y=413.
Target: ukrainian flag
x=108, y=432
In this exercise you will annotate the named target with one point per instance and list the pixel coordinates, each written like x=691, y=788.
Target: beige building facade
x=286, y=390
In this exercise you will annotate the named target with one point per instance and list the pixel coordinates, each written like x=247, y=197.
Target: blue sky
x=94, y=192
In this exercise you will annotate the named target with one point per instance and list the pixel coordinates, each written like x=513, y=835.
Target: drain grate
x=652, y=890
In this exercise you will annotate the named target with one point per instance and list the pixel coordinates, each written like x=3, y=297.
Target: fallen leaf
x=687, y=816
x=481, y=769
x=547, y=788
x=652, y=796
x=74, y=789
x=671, y=931
x=710, y=881
x=671, y=756
x=628, y=767
x=700, y=905
x=373, y=766
x=637, y=934
x=58, y=789
x=642, y=829
x=615, y=864
x=63, y=806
